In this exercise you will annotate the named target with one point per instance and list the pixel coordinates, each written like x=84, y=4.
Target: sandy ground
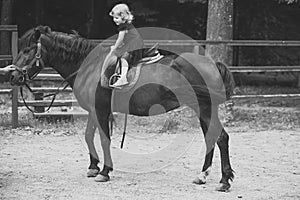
x=53, y=166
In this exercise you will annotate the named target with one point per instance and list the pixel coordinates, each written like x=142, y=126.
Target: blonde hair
x=123, y=11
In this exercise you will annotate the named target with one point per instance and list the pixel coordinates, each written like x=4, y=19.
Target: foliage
x=267, y=20
x=288, y=1
x=205, y=1
x=256, y=19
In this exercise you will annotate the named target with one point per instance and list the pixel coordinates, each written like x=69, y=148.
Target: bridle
x=39, y=63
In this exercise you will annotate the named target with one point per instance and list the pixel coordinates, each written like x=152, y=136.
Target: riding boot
x=123, y=79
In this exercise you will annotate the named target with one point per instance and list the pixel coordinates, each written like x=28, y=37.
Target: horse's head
x=31, y=58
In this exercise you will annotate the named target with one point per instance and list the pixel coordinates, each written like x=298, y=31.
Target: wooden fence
x=195, y=48
x=47, y=76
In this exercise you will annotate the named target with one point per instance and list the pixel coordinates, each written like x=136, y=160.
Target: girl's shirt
x=132, y=39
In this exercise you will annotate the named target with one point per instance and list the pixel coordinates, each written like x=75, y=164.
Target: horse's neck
x=66, y=59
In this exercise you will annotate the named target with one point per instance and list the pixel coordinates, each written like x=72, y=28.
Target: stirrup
x=119, y=86
x=115, y=75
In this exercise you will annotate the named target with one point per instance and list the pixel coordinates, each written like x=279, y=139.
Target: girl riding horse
x=129, y=40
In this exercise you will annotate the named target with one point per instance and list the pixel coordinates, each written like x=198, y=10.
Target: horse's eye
x=26, y=50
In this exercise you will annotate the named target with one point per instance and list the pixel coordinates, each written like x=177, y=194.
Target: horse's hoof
x=223, y=187
x=92, y=172
x=199, y=181
x=101, y=178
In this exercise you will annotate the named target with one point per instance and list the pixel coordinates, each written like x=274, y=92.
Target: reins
x=58, y=90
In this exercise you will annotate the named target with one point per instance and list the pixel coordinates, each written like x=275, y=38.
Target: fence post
x=14, y=106
x=196, y=49
x=38, y=96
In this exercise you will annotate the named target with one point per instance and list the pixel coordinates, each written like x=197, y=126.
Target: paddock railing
x=195, y=47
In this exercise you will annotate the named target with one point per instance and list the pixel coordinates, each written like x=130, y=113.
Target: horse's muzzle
x=16, y=78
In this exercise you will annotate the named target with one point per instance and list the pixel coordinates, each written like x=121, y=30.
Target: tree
x=96, y=25
x=220, y=27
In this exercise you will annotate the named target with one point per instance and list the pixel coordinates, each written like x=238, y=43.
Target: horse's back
x=202, y=65
x=203, y=74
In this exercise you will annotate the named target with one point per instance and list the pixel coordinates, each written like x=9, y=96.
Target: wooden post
x=196, y=49
x=38, y=96
x=14, y=106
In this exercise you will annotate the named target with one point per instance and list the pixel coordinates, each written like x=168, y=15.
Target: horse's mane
x=68, y=47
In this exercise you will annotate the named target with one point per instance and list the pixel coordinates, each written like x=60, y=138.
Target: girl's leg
x=123, y=79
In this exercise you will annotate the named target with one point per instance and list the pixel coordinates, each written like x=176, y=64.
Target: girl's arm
x=120, y=39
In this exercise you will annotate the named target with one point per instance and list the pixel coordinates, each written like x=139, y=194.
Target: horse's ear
x=75, y=33
x=47, y=29
x=37, y=33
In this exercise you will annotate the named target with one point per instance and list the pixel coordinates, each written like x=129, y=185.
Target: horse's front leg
x=227, y=172
x=103, y=127
x=93, y=169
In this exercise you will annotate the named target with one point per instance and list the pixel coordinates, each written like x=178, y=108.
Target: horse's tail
x=227, y=79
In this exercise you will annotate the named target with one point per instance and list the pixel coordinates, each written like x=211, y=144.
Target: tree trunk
x=98, y=13
x=220, y=27
x=6, y=19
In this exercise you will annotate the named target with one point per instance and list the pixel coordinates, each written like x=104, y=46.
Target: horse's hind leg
x=205, y=119
x=215, y=133
x=93, y=169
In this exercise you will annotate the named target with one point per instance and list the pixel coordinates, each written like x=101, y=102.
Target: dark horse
x=190, y=79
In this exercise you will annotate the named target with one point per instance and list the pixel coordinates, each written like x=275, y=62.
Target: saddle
x=149, y=55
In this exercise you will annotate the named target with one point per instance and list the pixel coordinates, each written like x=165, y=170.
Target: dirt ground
x=161, y=156
x=52, y=165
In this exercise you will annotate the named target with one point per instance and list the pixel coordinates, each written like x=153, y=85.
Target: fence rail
x=10, y=28
x=50, y=76
x=234, y=69
x=6, y=57
x=266, y=96
x=284, y=43
x=5, y=91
